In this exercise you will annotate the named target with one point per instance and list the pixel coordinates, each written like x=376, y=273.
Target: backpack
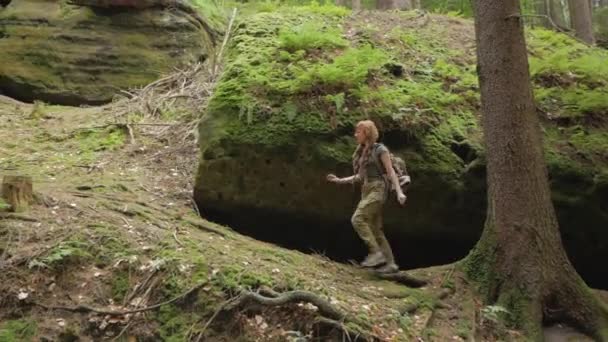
x=398, y=167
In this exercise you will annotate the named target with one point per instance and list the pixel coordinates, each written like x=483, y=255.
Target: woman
x=367, y=219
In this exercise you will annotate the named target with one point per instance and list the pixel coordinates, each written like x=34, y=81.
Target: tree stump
x=17, y=191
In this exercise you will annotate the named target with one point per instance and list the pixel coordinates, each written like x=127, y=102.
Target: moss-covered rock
x=66, y=54
x=295, y=84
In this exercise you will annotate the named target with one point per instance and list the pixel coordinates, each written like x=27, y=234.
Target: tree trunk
x=385, y=4
x=519, y=262
x=17, y=191
x=339, y=2
x=556, y=11
x=356, y=5
x=542, y=8
x=580, y=15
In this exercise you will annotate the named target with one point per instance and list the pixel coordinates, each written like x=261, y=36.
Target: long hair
x=364, y=151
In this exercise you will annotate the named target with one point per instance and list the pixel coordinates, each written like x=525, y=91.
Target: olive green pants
x=367, y=219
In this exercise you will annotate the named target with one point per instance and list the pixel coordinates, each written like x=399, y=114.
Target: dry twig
x=85, y=308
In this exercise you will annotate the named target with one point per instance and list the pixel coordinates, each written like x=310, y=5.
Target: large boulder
x=283, y=115
x=70, y=54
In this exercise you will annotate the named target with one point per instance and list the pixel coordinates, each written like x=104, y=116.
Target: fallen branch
x=218, y=58
x=325, y=308
x=351, y=334
x=210, y=320
x=20, y=217
x=403, y=278
x=85, y=308
x=202, y=226
x=131, y=135
x=176, y=239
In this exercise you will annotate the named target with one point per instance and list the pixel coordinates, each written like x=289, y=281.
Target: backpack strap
x=376, y=157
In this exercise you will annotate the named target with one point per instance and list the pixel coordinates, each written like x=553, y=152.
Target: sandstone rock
x=68, y=54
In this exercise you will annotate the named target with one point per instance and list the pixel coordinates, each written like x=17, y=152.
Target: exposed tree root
x=403, y=278
x=349, y=333
x=82, y=308
x=325, y=308
x=20, y=217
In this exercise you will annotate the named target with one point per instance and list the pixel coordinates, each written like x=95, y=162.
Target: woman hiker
x=367, y=219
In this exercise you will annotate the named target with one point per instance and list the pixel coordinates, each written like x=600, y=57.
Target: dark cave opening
x=339, y=242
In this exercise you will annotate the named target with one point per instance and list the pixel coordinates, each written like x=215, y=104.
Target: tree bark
x=17, y=191
x=580, y=16
x=542, y=8
x=519, y=262
x=356, y=4
x=385, y=4
x=339, y=2
x=556, y=11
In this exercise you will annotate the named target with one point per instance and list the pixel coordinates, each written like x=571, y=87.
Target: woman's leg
x=378, y=231
x=361, y=222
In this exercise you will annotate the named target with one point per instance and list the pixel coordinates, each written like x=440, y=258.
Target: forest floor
x=113, y=228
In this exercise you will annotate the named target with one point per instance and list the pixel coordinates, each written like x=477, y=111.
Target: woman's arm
x=346, y=180
x=392, y=176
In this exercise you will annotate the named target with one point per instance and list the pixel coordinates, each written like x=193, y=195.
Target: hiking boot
x=374, y=259
x=388, y=268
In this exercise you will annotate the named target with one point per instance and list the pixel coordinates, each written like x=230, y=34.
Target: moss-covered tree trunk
x=520, y=261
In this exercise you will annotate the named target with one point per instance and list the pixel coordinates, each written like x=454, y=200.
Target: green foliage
x=452, y=7
x=120, y=286
x=4, y=205
x=17, y=330
x=600, y=25
x=347, y=71
x=174, y=323
x=555, y=53
x=63, y=254
x=494, y=313
x=99, y=140
x=328, y=8
x=308, y=36
x=236, y=279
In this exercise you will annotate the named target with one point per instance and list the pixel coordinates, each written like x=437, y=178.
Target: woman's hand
x=333, y=178
x=401, y=198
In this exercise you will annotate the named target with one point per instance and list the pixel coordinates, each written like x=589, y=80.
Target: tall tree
x=519, y=261
x=580, y=15
x=542, y=9
x=557, y=10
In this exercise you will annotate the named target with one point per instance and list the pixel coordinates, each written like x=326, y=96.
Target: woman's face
x=360, y=135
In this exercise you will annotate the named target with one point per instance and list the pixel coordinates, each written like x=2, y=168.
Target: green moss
x=554, y=53
x=308, y=36
x=3, y=205
x=236, y=279
x=99, y=140
x=178, y=262
x=174, y=323
x=17, y=330
x=120, y=286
